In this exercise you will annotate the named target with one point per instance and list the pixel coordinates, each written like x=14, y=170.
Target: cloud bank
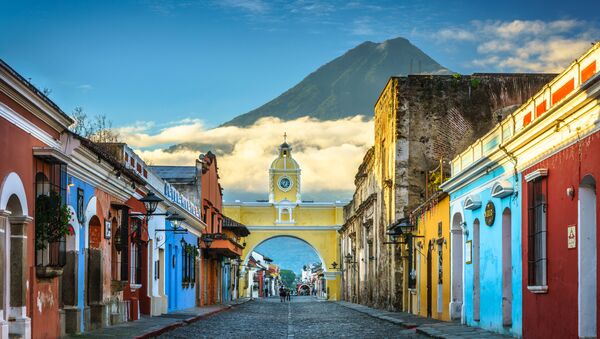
x=329, y=152
x=521, y=45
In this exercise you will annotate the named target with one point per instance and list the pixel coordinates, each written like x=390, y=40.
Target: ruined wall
x=445, y=115
x=418, y=120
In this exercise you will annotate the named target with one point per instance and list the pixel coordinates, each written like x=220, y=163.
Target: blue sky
x=169, y=72
x=163, y=61
x=289, y=253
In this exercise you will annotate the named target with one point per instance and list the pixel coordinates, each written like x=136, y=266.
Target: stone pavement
x=147, y=327
x=303, y=317
x=430, y=327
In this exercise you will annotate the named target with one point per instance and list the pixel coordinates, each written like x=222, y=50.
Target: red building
x=212, y=206
x=32, y=170
x=560, y=208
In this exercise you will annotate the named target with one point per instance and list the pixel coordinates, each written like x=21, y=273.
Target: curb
x=186, y=322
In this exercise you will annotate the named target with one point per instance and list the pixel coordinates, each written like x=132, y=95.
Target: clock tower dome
x=284, y=176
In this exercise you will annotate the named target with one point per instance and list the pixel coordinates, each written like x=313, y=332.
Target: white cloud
x=454, y=33
x=362, y=27
x=329, y=152
x=252, y=6
x=522, y=45
x=85, y=87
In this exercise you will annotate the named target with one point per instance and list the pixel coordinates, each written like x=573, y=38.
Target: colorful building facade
x=286, y=214
x=429, y=286
x=533, y=175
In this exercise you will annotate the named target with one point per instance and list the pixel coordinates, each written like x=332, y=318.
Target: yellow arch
x=324, y=242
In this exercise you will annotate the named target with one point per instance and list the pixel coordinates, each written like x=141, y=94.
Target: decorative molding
x=27, y=126
x=472, y=202
x=501, y=189
x=541, y=172
x=538, y=289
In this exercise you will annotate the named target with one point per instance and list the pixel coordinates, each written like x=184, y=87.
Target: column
x=18, y=277
x=4, y=272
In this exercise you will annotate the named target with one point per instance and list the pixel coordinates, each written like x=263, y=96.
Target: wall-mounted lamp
x=571, y=192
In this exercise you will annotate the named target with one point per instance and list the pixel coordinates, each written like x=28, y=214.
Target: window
x=188, y=267
x=537, y=230
x=136, y=265
x=51, y=214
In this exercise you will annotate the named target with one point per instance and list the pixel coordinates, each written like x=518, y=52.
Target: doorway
x=429, y=280
x=456, y=267
x=587, y=258
x=476, y=272
x=506, y=268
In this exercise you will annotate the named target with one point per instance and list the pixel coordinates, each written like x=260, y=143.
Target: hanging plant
x=51, y=220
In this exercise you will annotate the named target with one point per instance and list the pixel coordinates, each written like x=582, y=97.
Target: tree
x=287, y=277
x=98, y=128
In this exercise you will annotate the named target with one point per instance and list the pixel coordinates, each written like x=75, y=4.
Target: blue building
x=181, y=280
x=485, y=211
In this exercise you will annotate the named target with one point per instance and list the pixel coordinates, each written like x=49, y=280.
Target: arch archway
x=322, y=240
x=587, y=257
x=456, y=266
x=249, y=252
x=12, y=185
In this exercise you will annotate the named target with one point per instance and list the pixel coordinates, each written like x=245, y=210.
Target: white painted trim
x=538, y=289
x=472, y=202
x=76, y=227
x=33, y=103
x=542, y=172
x=12, y=184
x=27, y=126
x=501, y=189
x=90, y=211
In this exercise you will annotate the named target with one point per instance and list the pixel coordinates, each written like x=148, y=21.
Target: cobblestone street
x=303, y=317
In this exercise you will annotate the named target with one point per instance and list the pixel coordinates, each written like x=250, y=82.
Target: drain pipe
x=514, y=160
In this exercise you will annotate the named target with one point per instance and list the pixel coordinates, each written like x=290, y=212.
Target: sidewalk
x=426, y=326
x=147, y=327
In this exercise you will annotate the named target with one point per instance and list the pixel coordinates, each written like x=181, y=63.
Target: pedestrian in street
x=281, y=294
x=289, y=294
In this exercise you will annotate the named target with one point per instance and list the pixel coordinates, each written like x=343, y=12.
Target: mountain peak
x=348, y=85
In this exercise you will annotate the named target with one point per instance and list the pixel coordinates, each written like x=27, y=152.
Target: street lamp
x=151, y=202
x=175, y=219
x=207, y=240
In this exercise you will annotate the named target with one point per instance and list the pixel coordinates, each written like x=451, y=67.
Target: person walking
x=281, y=294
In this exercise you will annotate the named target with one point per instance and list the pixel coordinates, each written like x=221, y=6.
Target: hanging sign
x=571, y=236
x=490, y=213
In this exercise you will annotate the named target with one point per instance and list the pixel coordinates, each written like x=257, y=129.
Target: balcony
x=221, y=244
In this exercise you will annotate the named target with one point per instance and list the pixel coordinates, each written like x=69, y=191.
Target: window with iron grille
x=537, y=232
x=51, y=214
x=136, y=267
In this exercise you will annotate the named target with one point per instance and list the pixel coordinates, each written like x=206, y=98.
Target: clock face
x=285, y=183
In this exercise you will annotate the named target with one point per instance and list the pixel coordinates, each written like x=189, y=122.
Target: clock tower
x=284, y=176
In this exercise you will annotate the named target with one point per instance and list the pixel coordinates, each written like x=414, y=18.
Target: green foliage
x=456, y=76
x=287, y=277
x=51, y=220
x=475, y=83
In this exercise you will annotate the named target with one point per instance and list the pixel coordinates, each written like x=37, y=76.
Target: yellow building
x=285, y=214
x=429, y=286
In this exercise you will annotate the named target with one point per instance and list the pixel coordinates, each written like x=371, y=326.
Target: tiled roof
x=175, y=172
x=235, y=226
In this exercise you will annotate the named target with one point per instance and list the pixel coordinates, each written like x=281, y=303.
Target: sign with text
x=571, y=236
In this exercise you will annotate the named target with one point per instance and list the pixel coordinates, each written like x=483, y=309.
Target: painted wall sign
x=178, y=198
x=107, y=229
x=469, y=252
x=80, y=210
x=490, y=213
x=571, y=236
